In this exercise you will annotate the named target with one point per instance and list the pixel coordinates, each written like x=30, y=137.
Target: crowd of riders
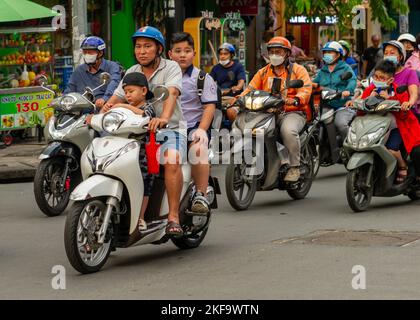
x=185, y=118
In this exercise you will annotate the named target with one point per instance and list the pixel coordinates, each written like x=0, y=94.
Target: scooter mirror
x=295, y=84
x=346, y=75
x=89, y=94
x=43, y=81
x=105, y=77
x=402, y=89
x=161, y=93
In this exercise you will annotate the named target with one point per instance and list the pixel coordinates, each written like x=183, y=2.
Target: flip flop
x=174, y=229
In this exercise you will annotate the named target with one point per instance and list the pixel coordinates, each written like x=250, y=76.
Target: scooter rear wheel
x=358, y=197
x=237, y=181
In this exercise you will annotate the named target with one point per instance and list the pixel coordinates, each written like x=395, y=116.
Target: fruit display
x=22, y=120
x=37, y=57
x=8, y=121
x=24, y=39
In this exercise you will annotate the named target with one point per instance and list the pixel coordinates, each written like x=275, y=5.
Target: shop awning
x=20, y=10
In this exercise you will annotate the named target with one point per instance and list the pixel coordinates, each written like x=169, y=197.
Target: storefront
x=310, y=35
x=234, y=32
x=27, y=48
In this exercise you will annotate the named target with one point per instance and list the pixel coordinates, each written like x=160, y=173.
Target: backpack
x=201, y=79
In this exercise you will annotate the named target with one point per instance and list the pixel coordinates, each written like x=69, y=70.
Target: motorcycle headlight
x=112, y=121
x=67, y=101
x=370, y=138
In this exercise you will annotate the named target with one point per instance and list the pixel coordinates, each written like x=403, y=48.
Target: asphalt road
x=241, y=257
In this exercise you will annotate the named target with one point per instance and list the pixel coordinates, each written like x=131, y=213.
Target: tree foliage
x=381, y=10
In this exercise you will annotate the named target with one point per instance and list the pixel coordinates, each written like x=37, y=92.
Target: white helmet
x=333, y=46
x=407, y=37
x=397, y=45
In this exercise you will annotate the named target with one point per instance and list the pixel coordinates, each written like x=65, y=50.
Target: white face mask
x=90, y=58
x=276, y=60
x=224, y=63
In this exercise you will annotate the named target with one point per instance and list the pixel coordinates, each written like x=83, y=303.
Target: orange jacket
x=263, y=80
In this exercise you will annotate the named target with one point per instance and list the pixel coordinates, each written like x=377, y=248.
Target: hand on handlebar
x=346, y=94
x=349, y=104
x=106, y=107
x=405, y=106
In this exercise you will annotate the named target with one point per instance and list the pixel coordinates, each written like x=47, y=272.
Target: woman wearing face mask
x=409, y=42
x=88, y=73
x=395, y=52
x=330, y=77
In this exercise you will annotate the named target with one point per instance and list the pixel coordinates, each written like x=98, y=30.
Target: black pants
x=415, y=158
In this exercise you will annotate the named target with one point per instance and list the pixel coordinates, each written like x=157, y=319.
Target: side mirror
x=43, y=81
x=161, y=93
x=89, y=94
x=295, y=84
x=402, y=89
x=105, y=77
x=346, y=75
x=276, y=86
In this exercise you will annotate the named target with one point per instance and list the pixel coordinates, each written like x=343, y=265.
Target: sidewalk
x=20, y=160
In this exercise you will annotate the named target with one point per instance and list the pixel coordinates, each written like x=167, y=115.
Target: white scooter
x=106, y=207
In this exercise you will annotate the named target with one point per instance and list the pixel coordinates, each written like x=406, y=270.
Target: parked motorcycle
x=329, y=140
x=372, y=169
x=107, y=203
x=257, y=116
x=68, y=135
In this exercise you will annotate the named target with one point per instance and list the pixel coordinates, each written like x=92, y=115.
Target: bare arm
x=110, y=103
x=208, y=115
x=168, y=110
x=129, y=107
x=413, y=90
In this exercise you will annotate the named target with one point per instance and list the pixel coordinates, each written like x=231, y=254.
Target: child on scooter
x=137, y=92
x=405, y=129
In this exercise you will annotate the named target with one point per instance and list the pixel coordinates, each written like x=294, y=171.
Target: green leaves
x=385, y=11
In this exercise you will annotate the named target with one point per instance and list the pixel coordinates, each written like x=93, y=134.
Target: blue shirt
x=82, y=78
x=353, y=64
x=226, y=78
x=192, y=107
x=332, y=80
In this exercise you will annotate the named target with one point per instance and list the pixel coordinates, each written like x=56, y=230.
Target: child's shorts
x=395, y=140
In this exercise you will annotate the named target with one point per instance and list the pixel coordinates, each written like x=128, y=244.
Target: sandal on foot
x=401, y=176
x=142, y=225
x=174, y=229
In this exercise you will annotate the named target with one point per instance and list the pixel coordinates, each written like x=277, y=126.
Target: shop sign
x=213, y=24
x=303, y=19
x=237, y=25
x=245, y=7
x=20, y=111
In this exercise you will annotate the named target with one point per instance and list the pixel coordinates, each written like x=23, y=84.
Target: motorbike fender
x=97, y=186
x=56, y=149
x=240, y=145
x=359, y=159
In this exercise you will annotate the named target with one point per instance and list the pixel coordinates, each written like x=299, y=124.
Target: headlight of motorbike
x=112, y=121
x=370, y=138
x=67, y=101
x=257, y=104
x=382, y=106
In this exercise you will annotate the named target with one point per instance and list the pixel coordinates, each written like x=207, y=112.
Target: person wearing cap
x=88, y=73
x=347, y=58
x=395, y=52
x=330, y=77
x=137, y=93
x=229, y=75
x=297, y=109
x=149, y=46
x=409, y=42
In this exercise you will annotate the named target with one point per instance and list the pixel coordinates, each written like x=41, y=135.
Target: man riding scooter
x=296, y=111
x=88, y=74
x=330, y=77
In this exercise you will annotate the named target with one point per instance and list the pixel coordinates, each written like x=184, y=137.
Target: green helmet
x=345, y=45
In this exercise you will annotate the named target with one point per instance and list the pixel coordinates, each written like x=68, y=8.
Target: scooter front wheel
x=359, y=191
x=83, y=223
x=240, y=188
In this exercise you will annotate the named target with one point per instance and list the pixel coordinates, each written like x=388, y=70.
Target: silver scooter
x=67, y=135
x=266, y=164
x=107, y=203
x=372, y=169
